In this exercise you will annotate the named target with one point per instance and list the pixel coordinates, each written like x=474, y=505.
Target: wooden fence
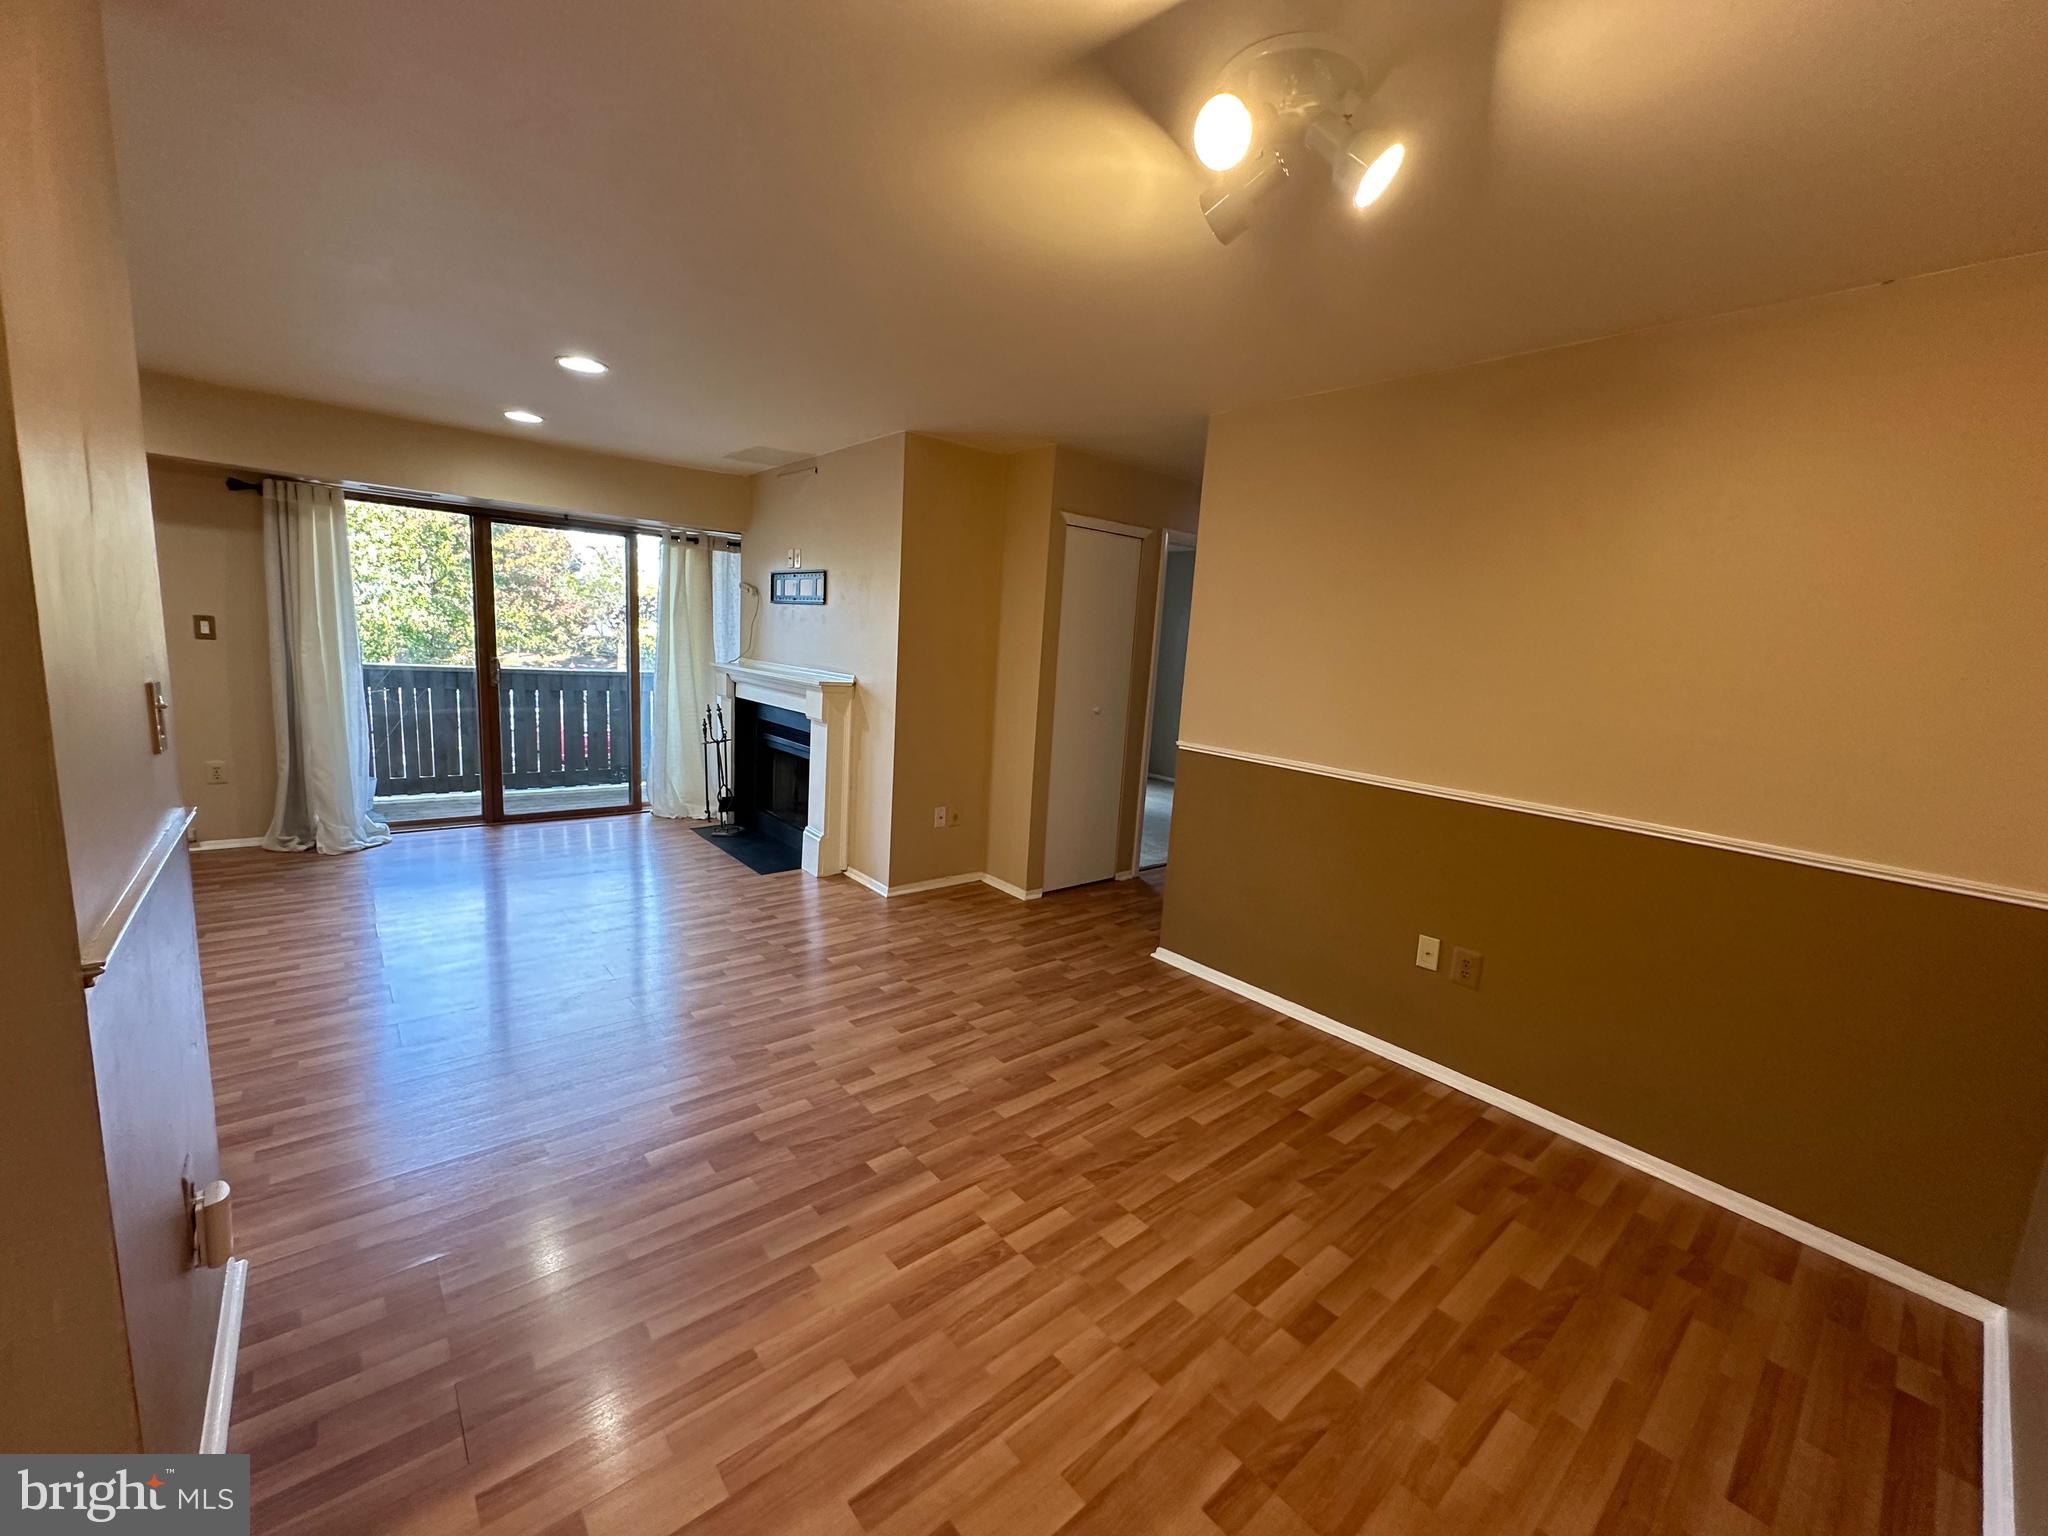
x=556, y=726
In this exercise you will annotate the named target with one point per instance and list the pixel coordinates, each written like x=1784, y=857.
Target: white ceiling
x=801, y=224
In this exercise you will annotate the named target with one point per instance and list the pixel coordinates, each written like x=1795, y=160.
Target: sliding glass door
x=415, y=617
x=566, y=683
x=508, y=662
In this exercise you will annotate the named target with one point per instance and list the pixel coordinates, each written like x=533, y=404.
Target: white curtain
x=682, y=681
x=324, y=788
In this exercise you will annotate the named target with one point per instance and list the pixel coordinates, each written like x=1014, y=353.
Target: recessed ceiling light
x=576, y=362
x=524, y=418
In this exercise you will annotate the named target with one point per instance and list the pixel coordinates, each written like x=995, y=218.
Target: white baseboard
x=2000, y=1509
x=942, y=883
x=1008, y=889
x=911, y=888
x=227, y=1343
x=1869, y=1260
x=973, y=877
x=209, y=844
x=1996, y=1435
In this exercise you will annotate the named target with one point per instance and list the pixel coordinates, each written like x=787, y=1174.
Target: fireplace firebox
x=772, y=791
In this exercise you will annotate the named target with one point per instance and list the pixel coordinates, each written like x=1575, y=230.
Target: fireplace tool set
x=718, y=770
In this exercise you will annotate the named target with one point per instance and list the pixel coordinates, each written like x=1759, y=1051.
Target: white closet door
x=1091, y=698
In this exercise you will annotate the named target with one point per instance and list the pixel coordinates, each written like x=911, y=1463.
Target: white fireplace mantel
x=826, y=700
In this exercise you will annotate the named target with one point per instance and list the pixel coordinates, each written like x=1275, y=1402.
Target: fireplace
x=772, y=772
x=804, y=715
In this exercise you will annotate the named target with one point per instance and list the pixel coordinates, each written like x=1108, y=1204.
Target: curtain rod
x=514, y=514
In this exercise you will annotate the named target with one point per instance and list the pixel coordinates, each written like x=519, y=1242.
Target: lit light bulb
x=576, y=362
x=1378, y=176
x=524, y=418
x=1223, y=131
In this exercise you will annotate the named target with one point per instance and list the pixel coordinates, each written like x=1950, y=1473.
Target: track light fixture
x=1275, y=103
x=1228, y=201
x=1363, y=161
x=1223, y=131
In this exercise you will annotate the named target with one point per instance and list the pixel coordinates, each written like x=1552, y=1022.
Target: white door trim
x=1171, y=539
x=1104, y=525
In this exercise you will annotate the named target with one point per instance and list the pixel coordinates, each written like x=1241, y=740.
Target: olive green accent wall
x=1863, y=1054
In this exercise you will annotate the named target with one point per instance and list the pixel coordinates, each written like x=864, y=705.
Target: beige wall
x=209, y=543
x=1780, y=576
x=2028, y=1299
x=939, y=558
x=1042, y=484
x=946, y=657
x=1016, y=815
x=97, y=1311
x=273, y=434
x=78, y=428
x=847, y=518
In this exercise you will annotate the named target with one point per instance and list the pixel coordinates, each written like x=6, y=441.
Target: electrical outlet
x=953, y=816
x=1425, y=951
x=1465, y=966
x=938, y=815
x=216, y=773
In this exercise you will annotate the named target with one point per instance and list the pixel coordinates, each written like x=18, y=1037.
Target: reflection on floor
x=518, y=802
x=1158, y=816
x=594, y=1186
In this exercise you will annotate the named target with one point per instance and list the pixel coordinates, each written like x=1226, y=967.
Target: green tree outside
x=560, y=594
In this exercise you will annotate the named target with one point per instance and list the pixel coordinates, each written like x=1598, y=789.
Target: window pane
x=563, y=697
x=725, y=604
x=648, y=553
x=416, y=627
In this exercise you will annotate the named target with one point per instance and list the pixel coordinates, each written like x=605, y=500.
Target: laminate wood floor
x=592, y=1184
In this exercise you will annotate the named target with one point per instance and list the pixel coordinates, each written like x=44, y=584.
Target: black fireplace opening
x=772, y=788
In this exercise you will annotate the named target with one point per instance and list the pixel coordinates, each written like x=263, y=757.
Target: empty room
x=1232, y=767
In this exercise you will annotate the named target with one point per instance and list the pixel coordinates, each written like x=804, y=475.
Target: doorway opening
x=1169, y=676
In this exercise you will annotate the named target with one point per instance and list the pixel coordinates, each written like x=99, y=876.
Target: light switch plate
x=1425, y=951
x=938, y=815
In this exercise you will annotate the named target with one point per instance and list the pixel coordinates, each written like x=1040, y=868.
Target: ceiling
x=801, y=225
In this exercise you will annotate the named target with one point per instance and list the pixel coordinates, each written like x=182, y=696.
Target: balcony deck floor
x=399, y=809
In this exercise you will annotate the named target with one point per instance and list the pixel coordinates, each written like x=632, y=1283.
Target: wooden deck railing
x=556, y=726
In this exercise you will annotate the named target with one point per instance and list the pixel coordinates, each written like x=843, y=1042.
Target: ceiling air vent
x=771, y=458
